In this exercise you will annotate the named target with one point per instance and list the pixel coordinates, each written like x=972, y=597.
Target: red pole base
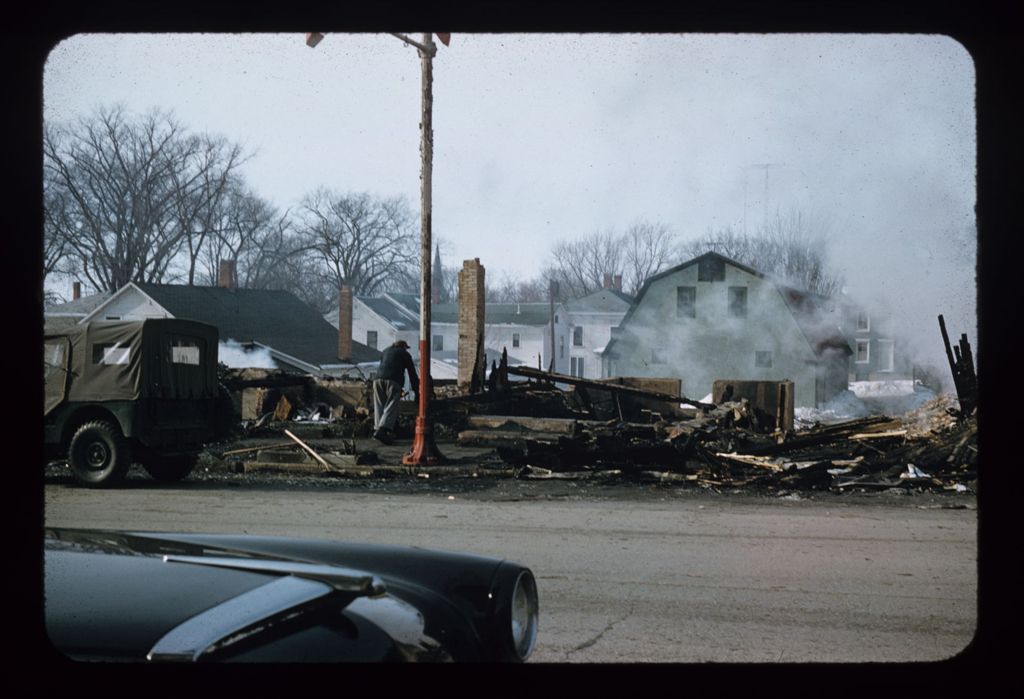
x=424, y=449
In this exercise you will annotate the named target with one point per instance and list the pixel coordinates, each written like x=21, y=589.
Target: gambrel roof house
x=296, y=336
x=713, y=318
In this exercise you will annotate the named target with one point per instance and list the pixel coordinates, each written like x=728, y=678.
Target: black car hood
x=122, y=605
x=112, y=595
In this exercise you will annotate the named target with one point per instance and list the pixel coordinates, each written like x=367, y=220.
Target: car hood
x=123, y=595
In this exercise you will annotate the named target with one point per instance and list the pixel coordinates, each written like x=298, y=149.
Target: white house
x=589, y=322
x=713, y=318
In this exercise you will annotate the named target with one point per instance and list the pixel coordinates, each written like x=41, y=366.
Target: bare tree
x=246, y=229
x=199, y=208
x=120, y=189
x=510, y=289
x=791, y=247
x=579, y=265
x=648, y=248
x=359, y=240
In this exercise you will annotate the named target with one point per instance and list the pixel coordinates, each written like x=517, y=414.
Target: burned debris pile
x=727, y=446
x=543, y=425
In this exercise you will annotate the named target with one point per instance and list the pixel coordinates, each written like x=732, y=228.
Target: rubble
x=538, y=430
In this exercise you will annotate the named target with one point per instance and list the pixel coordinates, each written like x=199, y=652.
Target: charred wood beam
x=552, y=377
x=961, y=365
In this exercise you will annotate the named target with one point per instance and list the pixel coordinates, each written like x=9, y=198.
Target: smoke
x=239, y=356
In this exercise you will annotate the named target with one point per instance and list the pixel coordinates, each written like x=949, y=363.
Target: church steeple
x=437, y=294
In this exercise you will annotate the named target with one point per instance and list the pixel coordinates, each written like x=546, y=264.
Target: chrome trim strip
x=340, y=579
x=190, y=639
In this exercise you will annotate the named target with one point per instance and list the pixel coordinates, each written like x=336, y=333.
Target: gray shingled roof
x=274, y=318
x=601, y=301
x=391, y=312
x=497, y=313
x=79, y=307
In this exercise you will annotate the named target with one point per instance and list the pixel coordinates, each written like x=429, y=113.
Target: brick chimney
x=76, y=291
x=345, y=322
x=226, y=275
x=607, y=283
x=617, y=282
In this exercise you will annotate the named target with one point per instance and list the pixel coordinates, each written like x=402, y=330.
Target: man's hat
x=401, y=343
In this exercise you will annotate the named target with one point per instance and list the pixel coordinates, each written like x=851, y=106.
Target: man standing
x=387, y=388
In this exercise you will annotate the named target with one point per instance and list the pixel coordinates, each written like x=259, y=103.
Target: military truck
x=119, y=392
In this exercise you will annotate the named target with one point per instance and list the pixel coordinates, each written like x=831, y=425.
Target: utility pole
x=424, y=449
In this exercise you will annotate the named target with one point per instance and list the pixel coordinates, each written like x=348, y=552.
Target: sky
x=547, y=137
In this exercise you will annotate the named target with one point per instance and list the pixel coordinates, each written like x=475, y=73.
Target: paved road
x=675, y=576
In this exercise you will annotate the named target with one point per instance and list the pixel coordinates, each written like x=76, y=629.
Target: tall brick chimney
x=607, y=283
x=226, y=274
x=617, y=282
x=76, y=291
x=345, y=322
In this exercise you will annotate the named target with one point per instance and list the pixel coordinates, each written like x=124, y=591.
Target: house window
x=863, y=351
x=438, y=344
x=515, y=339
x=886, y=355
x=576, y=366
x=738, y=301
x=863, y=322
x=371, y=339
x=711, y=269
x=561, y=346
x=686, y=302
x=109, y=353
x=577, y=336
x=763, y=358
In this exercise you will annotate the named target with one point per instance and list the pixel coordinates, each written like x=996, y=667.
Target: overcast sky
x=545, y=137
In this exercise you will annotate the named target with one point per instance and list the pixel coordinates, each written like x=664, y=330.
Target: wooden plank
x=758, y=461
x=602, y=386
x=308, y=449
x=248, y=450
x=879, y=435
x=499, y=438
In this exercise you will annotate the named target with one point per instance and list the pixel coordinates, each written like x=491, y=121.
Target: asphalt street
x=631, y=574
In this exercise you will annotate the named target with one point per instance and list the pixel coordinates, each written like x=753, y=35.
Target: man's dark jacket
x=394, y=362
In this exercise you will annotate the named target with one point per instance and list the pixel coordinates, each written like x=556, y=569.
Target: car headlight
x=523, y=615
x=512, y=627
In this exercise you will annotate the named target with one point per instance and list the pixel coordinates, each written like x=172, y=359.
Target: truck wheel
x=168, y=469
x=99, y=454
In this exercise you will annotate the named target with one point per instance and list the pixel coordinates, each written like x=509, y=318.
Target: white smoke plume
x=239, y=356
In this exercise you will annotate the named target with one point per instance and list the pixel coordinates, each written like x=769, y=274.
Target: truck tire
x=99, y=455
x=168, y=469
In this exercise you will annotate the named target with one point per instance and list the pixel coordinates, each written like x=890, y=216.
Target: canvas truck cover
x=125, y=360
